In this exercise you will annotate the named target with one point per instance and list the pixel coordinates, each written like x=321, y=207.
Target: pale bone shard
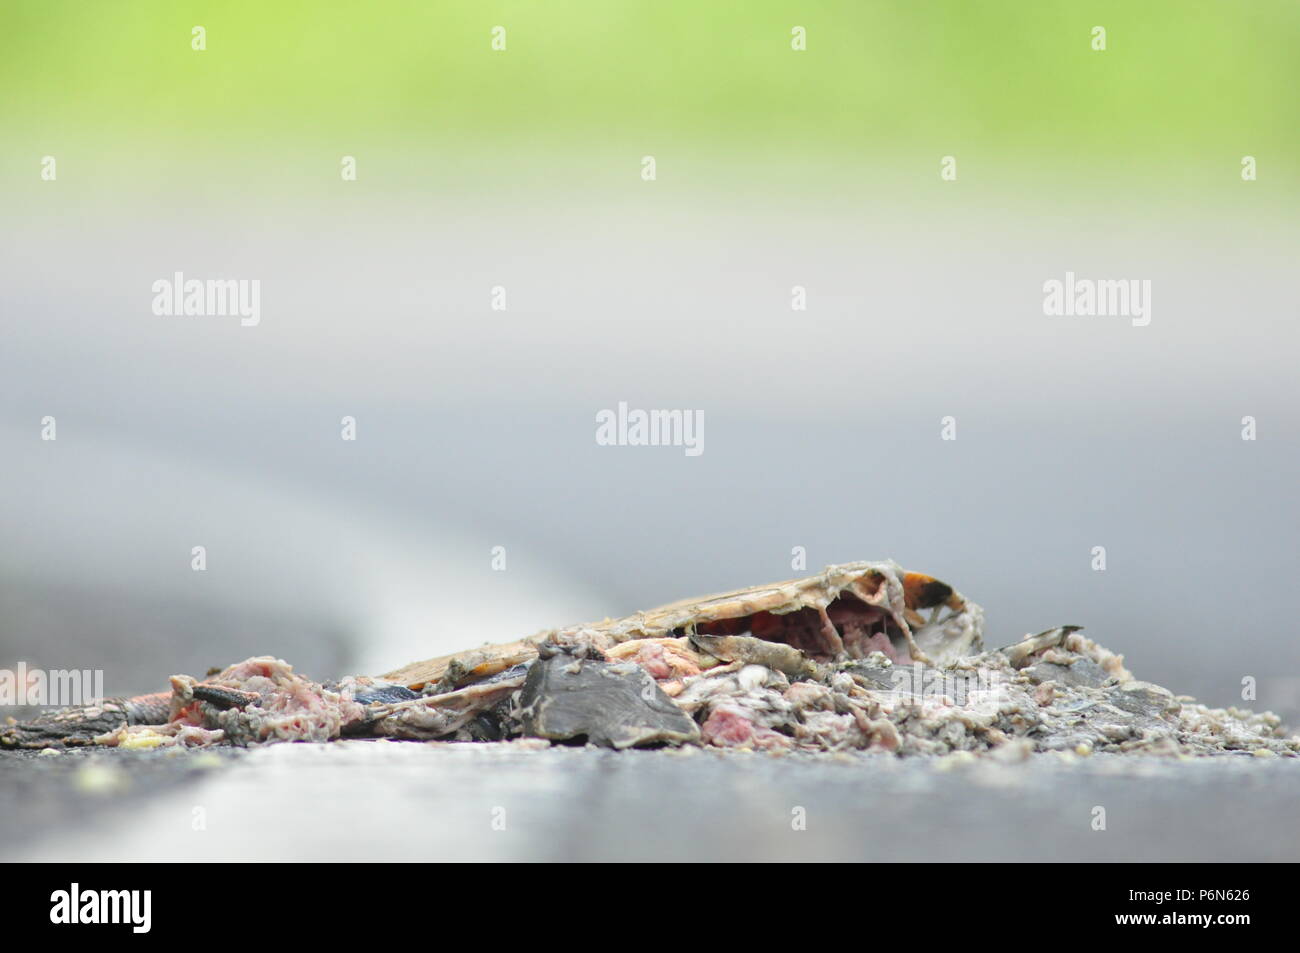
x=1031, y=646
x=751, y=651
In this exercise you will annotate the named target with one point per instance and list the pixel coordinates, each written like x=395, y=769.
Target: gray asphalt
x=380, y=801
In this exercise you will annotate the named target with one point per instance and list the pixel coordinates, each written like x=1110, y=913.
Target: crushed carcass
x=863, y=656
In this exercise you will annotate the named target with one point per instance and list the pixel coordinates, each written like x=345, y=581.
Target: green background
x=1014, y=90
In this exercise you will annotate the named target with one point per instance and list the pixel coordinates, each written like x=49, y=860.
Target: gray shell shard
x=612, y=704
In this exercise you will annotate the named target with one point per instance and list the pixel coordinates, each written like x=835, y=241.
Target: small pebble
x=97, y=778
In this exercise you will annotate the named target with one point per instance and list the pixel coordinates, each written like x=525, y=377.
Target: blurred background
x=522, y=168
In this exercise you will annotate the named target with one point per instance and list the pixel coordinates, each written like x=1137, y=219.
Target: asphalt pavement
x=376, y=801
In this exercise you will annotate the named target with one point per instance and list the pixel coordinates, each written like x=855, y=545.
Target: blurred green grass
x=1182, y=85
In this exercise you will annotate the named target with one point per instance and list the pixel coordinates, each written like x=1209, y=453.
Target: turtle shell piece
x=845, y=612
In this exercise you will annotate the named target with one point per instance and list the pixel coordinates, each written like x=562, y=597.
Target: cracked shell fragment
x=612, y=704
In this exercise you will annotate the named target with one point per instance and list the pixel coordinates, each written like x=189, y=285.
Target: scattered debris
x=839, y=661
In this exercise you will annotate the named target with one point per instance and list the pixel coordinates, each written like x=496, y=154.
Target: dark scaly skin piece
x=220, y=698
x=70, y=727
x=82, y=725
